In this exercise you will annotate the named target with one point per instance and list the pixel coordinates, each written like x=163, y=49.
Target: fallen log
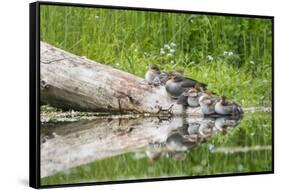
x=73, y=82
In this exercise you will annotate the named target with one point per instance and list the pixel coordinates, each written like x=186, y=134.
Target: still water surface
x=140, y=148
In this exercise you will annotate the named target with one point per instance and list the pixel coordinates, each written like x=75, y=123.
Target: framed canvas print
x=122, y=94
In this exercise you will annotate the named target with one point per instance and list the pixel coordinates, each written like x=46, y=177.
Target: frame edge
x=34, y=157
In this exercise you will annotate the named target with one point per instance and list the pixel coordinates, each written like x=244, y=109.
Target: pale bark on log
x=73, y=82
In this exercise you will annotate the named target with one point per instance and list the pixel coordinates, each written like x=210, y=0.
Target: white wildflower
x=172, y=62
x=252, y=62
x=172, y=51
x=230, y=53
x=166, y=46
x=173, y=44
x=211, y=147
x=240, y=168
x=162, y=51
x=97, y=17
x=225, y=53
x=210, y=58
x=169, y=55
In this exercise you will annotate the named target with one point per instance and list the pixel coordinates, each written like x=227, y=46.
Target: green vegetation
x=254, y=130
x=231, y=54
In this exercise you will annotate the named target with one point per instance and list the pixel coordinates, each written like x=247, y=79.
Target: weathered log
x=73, y=82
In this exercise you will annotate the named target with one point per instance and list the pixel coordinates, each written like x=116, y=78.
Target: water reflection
x=190, y=134
x=67, y=145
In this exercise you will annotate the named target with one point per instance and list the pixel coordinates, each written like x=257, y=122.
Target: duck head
x=178, y=72
x=199, y=87
x=153, y=67
x=223, y=100
x=176, y=78
x=192, y=92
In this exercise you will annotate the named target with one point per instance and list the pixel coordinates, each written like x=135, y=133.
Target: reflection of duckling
x=223, y=123
x=206, y=128
x=153, y=152
x=225, y=107
x=177, y=155
x=193, y=128
x=176, y=142
x=152, y=73
x=207, y=104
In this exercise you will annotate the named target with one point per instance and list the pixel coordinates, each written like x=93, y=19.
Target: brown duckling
x=193, y=97
x=152, y=73
x=207, y=103
x=225, y=107
x=164, y=77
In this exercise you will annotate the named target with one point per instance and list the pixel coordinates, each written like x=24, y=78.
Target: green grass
x=130, y=40
x=255, y=129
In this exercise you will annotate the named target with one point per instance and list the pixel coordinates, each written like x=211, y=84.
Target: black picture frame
x=34, y=93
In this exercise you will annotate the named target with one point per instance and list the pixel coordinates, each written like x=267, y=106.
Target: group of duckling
x=189, y=92
x=183, y=138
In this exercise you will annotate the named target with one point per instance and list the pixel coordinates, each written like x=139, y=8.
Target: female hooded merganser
x=152, y=73
x=178, y=84
x=225, y=107
x=207, y=103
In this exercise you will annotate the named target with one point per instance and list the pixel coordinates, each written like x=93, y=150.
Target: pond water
x=154, y=147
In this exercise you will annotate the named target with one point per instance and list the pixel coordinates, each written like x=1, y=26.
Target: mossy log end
x=74, y=82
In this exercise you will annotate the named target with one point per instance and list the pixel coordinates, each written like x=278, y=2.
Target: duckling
x=164, y=77
x=225, y=107
x=193, y=97
x=190, y=96
x=182, y=99
x=152, y=72
x=207, y=104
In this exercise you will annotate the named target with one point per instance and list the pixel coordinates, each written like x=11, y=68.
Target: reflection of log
x=81, y=142
x=70, y=81
x=65, y=146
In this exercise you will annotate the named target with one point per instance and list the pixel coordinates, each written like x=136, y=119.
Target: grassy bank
x=231, y=54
